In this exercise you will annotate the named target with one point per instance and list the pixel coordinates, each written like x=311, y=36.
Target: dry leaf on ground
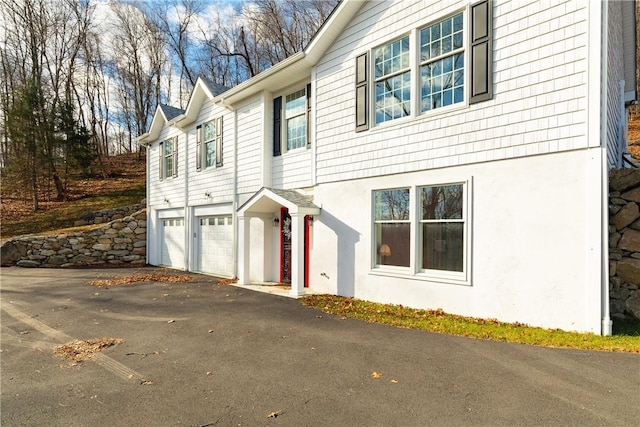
x=84, y=350
x=141, y=278
x=228, y=281
x=376, y=375
x=274, y=414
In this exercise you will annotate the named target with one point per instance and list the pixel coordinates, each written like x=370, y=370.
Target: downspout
x=607, y=324
x=188, y=226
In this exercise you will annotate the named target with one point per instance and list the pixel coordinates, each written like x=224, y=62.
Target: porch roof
x=269, y=200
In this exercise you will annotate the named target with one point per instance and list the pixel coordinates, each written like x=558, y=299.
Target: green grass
x=626, y=336
x=64, y=216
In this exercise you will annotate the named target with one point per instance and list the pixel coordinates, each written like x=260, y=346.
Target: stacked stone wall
x=121, y=241
x=624, y=243
x=108, y=215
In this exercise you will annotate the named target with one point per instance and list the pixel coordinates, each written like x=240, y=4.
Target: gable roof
x=268, y=200
x=165, y=114
x=299, y=65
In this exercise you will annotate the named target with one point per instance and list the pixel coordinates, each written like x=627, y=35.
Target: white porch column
x=297, y=254
x=244, y=247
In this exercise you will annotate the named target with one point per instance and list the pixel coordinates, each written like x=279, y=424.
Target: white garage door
x=172, y=242
x=215, y=245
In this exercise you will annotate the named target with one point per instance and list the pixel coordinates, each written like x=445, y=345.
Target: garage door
x=172, y=243
x=215, y=245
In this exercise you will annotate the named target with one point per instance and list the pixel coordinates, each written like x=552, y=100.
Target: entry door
x=285, y=247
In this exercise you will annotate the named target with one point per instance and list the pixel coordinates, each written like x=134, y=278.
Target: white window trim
x=284, y=149
x=414, y=271
x=415, y=64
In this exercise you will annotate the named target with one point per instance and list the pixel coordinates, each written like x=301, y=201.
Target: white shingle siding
x=292, y=170
x=250, y=147
x=170, y=188
x=539, y=103
x=217, y=181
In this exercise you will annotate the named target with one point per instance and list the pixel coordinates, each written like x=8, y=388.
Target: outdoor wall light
x=166, y=200
x=310, y=220
x=276, y=222
x=207, y=194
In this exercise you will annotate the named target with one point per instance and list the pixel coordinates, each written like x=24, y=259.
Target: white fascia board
x=199, y=94
x=332, y=28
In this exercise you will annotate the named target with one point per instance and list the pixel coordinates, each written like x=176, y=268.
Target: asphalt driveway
x=201, y=354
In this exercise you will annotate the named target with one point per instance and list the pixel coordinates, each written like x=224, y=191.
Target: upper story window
x=209, y=144
x=168, y=157
x=291, y=120
x=393, y=80
x=442, y=64
x=295, y=111
x=449, y=65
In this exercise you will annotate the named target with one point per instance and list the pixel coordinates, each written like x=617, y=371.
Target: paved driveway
x=200, y=354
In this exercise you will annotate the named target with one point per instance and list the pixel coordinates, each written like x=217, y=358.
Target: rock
x=614, y=238
x=57, y=260
x=626, y=216
x=623, y=179
x=612, y=268
x=628, y=270
x=101, y=247
x=11, y=252
x=617, y=307
x=28, y=263
x=630, y=240
x=633, y=305
x=632, y=195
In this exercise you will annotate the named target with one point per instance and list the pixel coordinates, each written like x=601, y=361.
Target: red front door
x=286, y=234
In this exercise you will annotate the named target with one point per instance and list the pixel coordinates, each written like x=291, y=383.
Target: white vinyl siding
x=539, y=104
x=250, y=147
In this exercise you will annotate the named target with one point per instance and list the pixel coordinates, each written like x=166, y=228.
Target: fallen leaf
x=209, y=373
x=394, y=381
x=171, y=321
x=146, y=382
x=375, y=375
x=274, y=414
x=210, y=331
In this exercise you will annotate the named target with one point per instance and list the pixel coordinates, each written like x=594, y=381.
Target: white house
x=435, y=154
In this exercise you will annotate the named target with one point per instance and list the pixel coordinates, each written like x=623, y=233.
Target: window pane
x=441, y=202
x=393, y=244
x=168, y=147
x=210, y=154
x=296, y=132
x=443, y=246
x=392, y=57
x=168, y=165
x=296, y=103
x=210, y=131
x=391, y=205
x=441, y=76
x=393, y=97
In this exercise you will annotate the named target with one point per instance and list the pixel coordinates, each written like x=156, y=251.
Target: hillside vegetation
x=121, y=184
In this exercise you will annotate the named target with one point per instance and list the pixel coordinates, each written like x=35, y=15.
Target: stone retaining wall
x=121, y=241
x=107, y=215
x=624, y=243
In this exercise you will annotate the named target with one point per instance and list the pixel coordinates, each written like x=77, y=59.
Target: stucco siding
x=539, y=102
x=519, y=261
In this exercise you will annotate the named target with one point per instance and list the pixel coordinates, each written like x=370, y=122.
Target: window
x=442, y=64
x=436, y=227
x=295, y=111
x=209, y=144
x=168, y=156
x=442, y=47
x=393, y=80
x=392, y=227
x=442, y=227
x=291, y=120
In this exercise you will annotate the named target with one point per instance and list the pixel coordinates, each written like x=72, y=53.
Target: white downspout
x=607, y=324
x=187, y=223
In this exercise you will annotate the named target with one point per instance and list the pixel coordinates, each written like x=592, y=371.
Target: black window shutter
x=362, y=92
x=277, y=128
x=199, y=147
x=219, y=141
x=161, y=163
x=481, y=52
x=308, y=115
x=175, y=156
